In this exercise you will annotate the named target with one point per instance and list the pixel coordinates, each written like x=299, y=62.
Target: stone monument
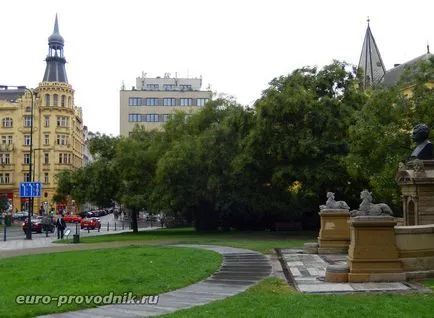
x=372, y=254
x=334, y=235
x=416, y=179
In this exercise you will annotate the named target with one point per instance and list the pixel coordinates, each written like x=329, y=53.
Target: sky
x=237, y=47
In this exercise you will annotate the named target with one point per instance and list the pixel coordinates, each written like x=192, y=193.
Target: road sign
x=30, y=189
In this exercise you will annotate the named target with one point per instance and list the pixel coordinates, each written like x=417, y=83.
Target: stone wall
x=415, y=246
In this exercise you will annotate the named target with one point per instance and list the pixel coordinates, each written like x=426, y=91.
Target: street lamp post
x=29, y=222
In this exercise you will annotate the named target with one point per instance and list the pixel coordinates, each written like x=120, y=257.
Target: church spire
x=370, y=60
x=55, y=70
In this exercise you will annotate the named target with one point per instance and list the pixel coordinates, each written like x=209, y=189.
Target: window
x=5, y=158
x=3, y=140
x=26, y=158
x=26, y=177
x=186, y=102
x=27, y=140
x=4, y=178
x=55, y=100
x=27, y=121
x=62, y=121
x=46, y=158
x=69, y=101
x=46, y=121
x=152, y=87
x=152, y=101
x=60, y=158
x=69, y=158
x=7, y=122
x=185, y=87
x=47, y=100
x=62, y=140
x=134, y=101
x=46, y=179
x=46, y=140
x=169, y=102
x=10, y=139
x=62, y=101
x=201, y=101
x=151, y=117
x=169, y=87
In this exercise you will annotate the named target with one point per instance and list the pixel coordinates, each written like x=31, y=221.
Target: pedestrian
x=61, y=225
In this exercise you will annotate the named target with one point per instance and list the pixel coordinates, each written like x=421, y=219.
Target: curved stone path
x=241, y=269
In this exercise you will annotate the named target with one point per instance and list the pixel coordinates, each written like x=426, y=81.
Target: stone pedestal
x=372, y=255
x=334, y=235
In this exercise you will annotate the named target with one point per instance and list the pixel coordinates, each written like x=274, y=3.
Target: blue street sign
x=30, y=189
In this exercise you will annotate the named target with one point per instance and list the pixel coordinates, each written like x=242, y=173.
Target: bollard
x=108, y=229
x=46, y=230
x=115, y=226
x=4, y=234
x=122, y=224
x=88, y=228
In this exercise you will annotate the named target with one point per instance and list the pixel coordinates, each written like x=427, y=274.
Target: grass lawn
x=141, y=270
x=273, y=298
x=255, y=240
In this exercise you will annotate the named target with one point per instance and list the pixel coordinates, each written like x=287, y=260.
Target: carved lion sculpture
x=369, y=208
x=332, y=204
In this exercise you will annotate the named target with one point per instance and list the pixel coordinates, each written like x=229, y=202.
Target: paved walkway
x=241, y=269
x=307, y=272
x=41, y=241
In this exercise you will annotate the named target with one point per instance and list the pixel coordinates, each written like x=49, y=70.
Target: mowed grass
x=142, y=270
x=261, y=241
x=273, y=298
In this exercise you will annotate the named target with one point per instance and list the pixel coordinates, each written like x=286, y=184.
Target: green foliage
x=381, y=136
x=229, y=166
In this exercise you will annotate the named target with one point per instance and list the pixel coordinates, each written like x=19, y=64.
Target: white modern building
x=153, y=100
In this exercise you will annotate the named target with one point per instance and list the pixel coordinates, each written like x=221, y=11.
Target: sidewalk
x=40, y=241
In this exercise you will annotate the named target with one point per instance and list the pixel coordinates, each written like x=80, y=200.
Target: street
x=108, y=224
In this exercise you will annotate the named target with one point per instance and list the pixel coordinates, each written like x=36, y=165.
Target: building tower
x=370, y=61
x=57, y=139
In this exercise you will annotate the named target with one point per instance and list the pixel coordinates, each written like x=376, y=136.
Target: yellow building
x=57, y=139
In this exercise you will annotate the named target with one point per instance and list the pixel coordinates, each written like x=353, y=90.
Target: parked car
x=21, y=215
x=72, y=218
x=86, y=214
x=90, y=223
x=39, y=224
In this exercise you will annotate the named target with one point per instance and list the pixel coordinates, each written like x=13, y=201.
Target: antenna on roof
x=427, y=48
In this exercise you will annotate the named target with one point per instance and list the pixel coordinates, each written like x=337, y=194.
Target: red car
x=39, y=225
x=90, y=223
x=72, y=219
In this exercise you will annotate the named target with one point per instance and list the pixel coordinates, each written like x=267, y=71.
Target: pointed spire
x=55, y=40
x=56, y=26
x=55, y=70
x=370, y=60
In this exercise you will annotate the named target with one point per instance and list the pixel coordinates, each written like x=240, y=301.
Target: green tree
x=381, y=136
x=297, y=146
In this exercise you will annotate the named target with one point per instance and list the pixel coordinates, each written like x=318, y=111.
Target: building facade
x=153, y=100
x=57, y=138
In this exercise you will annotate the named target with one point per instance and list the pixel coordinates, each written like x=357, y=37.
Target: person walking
x=61, y=225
